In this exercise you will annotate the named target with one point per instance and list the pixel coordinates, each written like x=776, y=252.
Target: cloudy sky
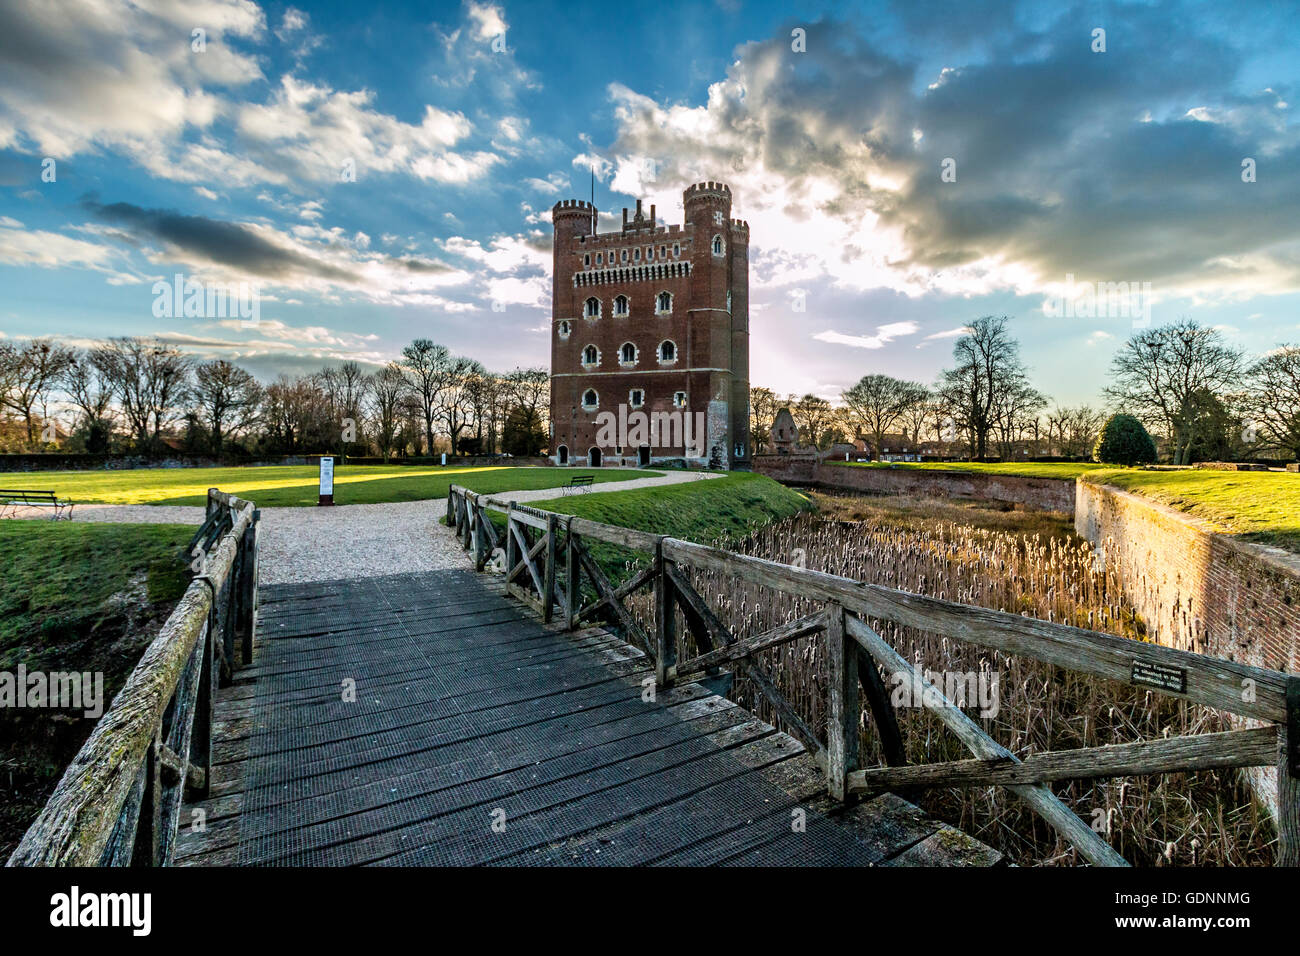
x=382, y=171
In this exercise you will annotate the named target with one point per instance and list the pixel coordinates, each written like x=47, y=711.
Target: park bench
x=12, y=500
x=579, y=483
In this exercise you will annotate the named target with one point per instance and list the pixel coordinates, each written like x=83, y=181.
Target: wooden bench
x=579, y=483
x=11, y=500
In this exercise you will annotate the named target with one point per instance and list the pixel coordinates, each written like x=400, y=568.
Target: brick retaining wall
x=1043, y=494
x=1198, y=590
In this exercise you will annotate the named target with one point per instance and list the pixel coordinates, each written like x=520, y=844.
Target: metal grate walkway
x=428, y=720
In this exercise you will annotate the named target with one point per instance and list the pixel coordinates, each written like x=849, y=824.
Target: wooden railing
x=547, y=556
x=119, y=801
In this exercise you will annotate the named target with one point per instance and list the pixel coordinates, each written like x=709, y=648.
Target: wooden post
x=843, y=708
x=1288, y=779
x=665, y=624
x=548, y=573
x=572, y=586
x=147, y=824
x=512, y=556
x=882, y=709
x=201, y=742
x=476, y=535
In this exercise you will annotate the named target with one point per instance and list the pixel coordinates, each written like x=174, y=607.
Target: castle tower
x=651, y=319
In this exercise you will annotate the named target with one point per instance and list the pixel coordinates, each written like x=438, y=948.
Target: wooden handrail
x=855, y=651
x=118, y=801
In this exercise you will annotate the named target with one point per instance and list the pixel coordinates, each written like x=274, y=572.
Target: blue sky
x=465, y=122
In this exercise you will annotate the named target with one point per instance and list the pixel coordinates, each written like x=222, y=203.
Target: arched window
x=667, y=351
x=591, y=355
x=564, y=329
x=600, y=258
x=590, y=399
x=592, y=310
x=623, y=255
x=627, y=354
x=663, y=303
x=636, y=255
x=717, y=245
x=679, y=399
x=677, y=250
x=636, y=398
x=620, y=305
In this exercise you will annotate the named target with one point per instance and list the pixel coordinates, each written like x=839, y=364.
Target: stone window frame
x=586, y=308
x=564, y=329
x=586, y=407
x=583, y=357
x=659, y=310
x=677, y=250
x=634, y=360
x=631, y=403
x=659, y=352
x=684, y=399
x=627, y=302
x=718, y=245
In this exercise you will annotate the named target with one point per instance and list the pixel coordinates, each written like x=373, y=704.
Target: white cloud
x=884, y=335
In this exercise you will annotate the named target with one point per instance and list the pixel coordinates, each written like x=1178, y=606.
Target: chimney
x=652, y=215
x=625, y=217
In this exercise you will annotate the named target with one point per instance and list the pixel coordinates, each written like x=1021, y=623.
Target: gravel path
x=353, y=541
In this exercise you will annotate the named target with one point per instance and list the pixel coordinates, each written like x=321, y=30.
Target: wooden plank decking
x=479, y=736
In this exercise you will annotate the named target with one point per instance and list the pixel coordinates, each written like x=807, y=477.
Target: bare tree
x=1162, y=376
x=33, y=372
x=150, y=380
x=763, y=406
x=813, y=414
x=988, y=369
x=876, y=403
x=458, y=396
x=430, y=368
x=1273, y=399
x=389, y=391
x=344, y=388
x=89, y=388
x=228, y=399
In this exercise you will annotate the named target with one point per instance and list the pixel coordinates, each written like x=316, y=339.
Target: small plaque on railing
x=1159, y=676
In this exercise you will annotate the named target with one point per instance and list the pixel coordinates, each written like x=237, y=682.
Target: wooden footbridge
x=542, y=716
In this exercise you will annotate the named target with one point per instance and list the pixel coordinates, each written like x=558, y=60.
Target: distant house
x=896, y=447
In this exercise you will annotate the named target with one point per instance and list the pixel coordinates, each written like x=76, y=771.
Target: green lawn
x=1262, y=506
x=1026, y=469
x=281, y=486
x=60, y=582
x=731, y=506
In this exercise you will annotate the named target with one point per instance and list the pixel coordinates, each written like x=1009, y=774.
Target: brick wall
x=1043, y=494
x=1198, y=590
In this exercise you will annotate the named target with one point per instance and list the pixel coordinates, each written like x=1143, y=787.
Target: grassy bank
x=1261, y=506
x=1025, y=469
x=287, y=486
x=730, y=507
x=83, y=597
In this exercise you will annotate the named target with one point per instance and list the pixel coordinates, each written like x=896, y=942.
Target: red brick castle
x=654, y=319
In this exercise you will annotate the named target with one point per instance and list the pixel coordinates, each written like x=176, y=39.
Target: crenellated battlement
x=573, y=208
x=709, y=190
